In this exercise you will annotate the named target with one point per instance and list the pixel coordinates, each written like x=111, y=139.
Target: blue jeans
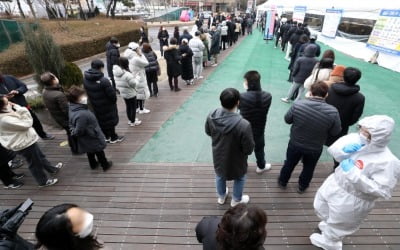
x=238, y=186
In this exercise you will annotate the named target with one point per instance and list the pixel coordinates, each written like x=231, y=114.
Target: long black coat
x=173, y=58
x=9, y=83
x=112, y=55
x=187, y=66
x=215, y=43
x=103, y=98
x=84, y=126
x=232, y=142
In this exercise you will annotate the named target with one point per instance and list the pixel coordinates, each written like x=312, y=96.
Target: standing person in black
x=254, y=106
x=176, y=33
x=312, y=120
x=112, y=55
x=174, y=67
x=244, y=25
x=279, y=34
x=163, y=37
x=103, y=98
x=187, y=64
x=348, y=100
x=152, y=69
x=231, y=32
x=143, y=36
x=14, y=89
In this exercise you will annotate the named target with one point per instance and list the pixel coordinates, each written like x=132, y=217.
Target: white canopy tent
x=361, y=9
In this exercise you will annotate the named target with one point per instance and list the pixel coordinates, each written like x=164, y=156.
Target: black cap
x=113, y=40
x=97, y=64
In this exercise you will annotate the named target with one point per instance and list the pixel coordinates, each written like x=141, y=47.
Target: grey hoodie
x=304, y=65
x=232, y=142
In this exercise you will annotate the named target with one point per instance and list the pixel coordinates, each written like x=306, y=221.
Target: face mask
x=117, y=45
x=245, y=86
x=87, y=226
x=363, y=139
x=163, y=29
x=83, y=100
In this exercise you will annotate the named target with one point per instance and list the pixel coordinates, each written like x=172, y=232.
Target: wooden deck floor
x=157, y=206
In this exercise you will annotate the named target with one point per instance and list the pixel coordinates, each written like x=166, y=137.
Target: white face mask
x=83, y=100
x=117, y=45
x=363, y=139
x=245, y=86
x=87, y=226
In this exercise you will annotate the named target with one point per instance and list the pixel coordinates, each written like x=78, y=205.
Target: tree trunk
x=113, y=9
x=21, y=12
x=88, y=5
x=109, y=8
x=29, y=2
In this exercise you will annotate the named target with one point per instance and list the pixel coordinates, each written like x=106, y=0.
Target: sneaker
x=201, y=77
x=108, y=140
x=285, y=100
x=136, y=123
x=262, y=170
x=301, y=190
x=58, y=167
x=137, y=110
x=14, y=185
x=49, y=182
x=118, y=139
x=177, y=89
x=245, y=200
x=48, y=137
x=222, y=201
x=214, y=65
x=109, y=165
x=144, y=111
x=16, y=163
x=281, y=185
x=319, y=240
x=130, y=123
x=18, y=176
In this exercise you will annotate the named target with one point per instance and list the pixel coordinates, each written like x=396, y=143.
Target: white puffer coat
x=125, y=82
x=197, y=46
x=137, y=65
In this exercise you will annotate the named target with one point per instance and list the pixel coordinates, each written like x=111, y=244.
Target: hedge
x=19, y=65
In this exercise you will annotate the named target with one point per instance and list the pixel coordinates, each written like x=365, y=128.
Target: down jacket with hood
x=102, y=97
x=304, y=65
x=197, y=46
x=173, y=58
x=112, y=55
x=125, y=82
x=137, y=64
x=232, y=142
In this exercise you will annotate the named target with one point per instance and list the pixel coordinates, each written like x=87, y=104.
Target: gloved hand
x=352, y=147
x=347, y=164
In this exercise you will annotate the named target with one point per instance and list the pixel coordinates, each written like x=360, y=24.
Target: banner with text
x=385, y=36
x=299, y=13
x=331, y=22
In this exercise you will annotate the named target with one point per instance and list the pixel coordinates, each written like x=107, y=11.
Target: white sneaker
x=245, y=200
x=137, y=110
x=201, y=77
x=144, y=111
x=130, y=123
x=285, y=100
x=319, y=240
x=262, y=170
x=214, y=65
x=136, y=123
x=222, y=201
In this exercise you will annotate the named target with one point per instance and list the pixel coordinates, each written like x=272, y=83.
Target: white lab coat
x=345, y=198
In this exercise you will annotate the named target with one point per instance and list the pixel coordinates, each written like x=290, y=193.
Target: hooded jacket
x=16, y=132
x=197, y=46
x=112, y=55
x=102, y=97
x=232, y=142
x=125, y=82
x=377, y=170
x=304, y=65
x=137, y=64
x=173, y=57
x=56, y=102
x=348, y=100
x=85, y=128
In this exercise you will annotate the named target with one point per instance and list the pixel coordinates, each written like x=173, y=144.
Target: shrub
x=71, y=75
x=36, y=102
x=42, y=52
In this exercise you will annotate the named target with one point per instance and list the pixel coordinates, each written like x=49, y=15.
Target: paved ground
x=157, y=205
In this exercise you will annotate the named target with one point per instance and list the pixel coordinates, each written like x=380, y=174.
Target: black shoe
x=47, y=137
x=281, y=185
x=108, y=166
x=177, y=89
x=16, y=163
x=301, y=190
x=94, y=166
x=18, y=176
x=118, y=139
x=14, y=185
x=58, y=167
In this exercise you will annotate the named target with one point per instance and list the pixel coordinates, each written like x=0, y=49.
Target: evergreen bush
x=42, y=52
x=71, y=75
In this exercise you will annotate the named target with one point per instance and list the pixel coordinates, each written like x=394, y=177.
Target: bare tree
x=21, y=11
x=30, y=4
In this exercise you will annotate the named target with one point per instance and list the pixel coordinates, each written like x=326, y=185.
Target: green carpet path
x=182, y=137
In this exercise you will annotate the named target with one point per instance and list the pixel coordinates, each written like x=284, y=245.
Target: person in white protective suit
x=368, y=171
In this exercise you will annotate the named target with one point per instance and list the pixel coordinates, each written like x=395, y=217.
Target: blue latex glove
x=352, y=147
x=347, y=164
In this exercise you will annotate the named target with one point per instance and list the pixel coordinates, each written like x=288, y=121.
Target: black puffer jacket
x=232, y=142
x=84, y=126
x=112, y=54
x=349, y=102
x=103, y=98
x=9, y=83
x=153, y=63
x=254, y=107
x=304, y=65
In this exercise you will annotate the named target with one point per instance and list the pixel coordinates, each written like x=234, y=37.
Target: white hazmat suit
x=348, y=195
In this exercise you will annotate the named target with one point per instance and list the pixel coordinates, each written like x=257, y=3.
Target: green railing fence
x=10, y=32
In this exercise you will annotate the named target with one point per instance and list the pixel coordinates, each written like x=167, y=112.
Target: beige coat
x=16, y=132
